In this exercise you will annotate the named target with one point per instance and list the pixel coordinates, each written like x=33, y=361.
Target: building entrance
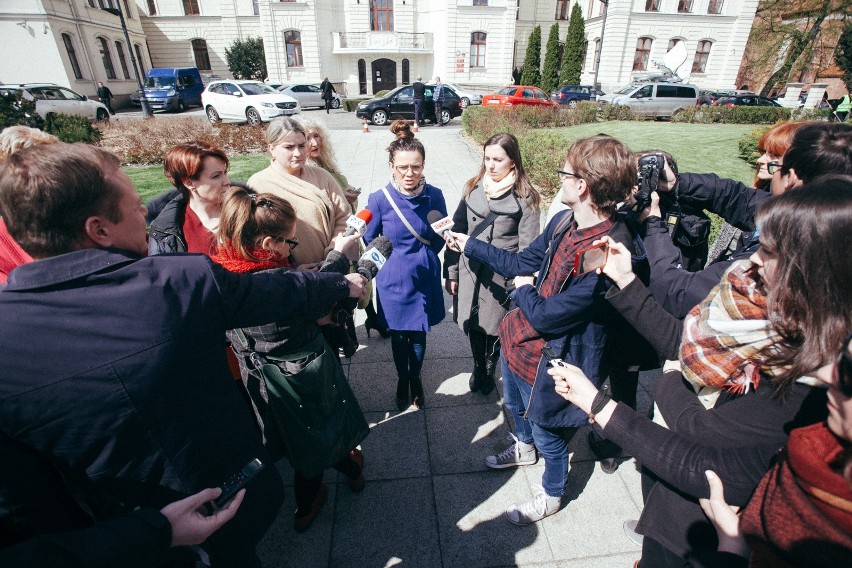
x=383, y=72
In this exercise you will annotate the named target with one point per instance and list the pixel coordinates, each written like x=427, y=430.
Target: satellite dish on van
x=675, y=59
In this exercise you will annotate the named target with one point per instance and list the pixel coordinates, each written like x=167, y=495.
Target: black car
x=745, y=100
x=399, y=103
x=570, y=94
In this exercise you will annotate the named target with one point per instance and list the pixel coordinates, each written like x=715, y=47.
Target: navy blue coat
x=114, y=370
x=573, y=322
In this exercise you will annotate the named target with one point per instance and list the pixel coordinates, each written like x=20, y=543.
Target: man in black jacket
x=106, y=96
x=126, y=392
x=419, y=93
x=816, y=149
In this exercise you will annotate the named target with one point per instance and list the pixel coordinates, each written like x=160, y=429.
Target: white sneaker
x=534, y=510
x=515, y=455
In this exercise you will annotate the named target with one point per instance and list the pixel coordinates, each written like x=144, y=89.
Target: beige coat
x=321, y=207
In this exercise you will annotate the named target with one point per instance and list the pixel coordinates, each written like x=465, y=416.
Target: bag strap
x=492, y=216
x=404, y=220
x=259, y=361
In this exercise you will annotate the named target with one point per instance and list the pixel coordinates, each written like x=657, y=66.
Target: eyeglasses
x=844, y=369
x=773, y=167
x=292, y=242
x=565, y=175
x=405, y=169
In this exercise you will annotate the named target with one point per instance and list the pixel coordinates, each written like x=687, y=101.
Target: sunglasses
x=844, y=369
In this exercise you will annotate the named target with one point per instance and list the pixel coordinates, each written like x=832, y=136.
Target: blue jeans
x=550, y=442
x=418, y=111
x=409, y=348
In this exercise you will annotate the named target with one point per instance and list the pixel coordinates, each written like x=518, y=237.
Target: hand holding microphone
x=357, y=223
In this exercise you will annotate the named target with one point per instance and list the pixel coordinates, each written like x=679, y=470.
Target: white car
x=246, y=101
x=467, y=97
x=50, y=98
x=308, y=95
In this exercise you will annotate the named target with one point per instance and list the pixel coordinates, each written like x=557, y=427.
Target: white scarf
x=496, y=189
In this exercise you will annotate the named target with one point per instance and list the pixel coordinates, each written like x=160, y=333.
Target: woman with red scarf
x=257, y=232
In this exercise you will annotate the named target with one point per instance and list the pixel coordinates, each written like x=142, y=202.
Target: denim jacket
x=573, y=322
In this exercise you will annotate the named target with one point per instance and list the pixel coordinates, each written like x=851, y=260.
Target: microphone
x=357, y=223
x=375, y=257
x=439, y=223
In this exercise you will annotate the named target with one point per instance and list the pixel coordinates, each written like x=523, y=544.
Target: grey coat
x=483, y=295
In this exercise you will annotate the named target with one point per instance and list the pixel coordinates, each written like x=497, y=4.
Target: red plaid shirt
x=520, y=343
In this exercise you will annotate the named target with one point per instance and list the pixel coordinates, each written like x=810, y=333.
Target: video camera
x=651, y=167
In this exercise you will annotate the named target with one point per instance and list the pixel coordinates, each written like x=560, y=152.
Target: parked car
x=399, y=103
x=513, y=95
x=307, y=95
x=50, y=98
x=570, y=94
x=745, y=100
x=171, y=88
x=710, y=97
x=467, y=97
x=654, y=100
x=247, y=101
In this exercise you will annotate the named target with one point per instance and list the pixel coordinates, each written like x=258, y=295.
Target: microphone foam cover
x=434, y=215
x=382, y=244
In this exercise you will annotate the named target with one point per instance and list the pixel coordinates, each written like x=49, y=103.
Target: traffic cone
x=415, y=128
x=366, y=128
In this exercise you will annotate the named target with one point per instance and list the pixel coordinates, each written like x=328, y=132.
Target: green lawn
x=699, y=148
x=149, y=180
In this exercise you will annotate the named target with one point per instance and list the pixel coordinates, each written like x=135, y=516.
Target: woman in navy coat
x=409, y=291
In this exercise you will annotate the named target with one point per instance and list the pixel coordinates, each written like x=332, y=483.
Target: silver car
x=467, y=97
x=50, y=98
x=308, y=95
x=654, y=100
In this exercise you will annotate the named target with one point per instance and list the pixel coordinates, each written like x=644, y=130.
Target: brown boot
x=301, y=523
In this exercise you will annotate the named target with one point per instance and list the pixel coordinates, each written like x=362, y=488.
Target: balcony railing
x=382, y=41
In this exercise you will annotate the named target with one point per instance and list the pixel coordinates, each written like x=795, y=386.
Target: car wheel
x=335, y=103
x=253, y=116
x=465, y=102
x=212, y=115
x=379, y=118
x=181, y=106
x=102, y=114
x=445, y=116
x=572, y=103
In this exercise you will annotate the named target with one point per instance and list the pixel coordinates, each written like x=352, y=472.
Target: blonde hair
x=281, y=128
x=326, y=158
x=15, y=138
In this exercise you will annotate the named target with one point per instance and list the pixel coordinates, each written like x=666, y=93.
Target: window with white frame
x=702, y=54
x=293, y=43
x=562, y=9
x=122, y=60
x=191, y=8
x=477, y=49
x=715, y=6
x=72, y=55
x=202, y=56
x=106, y=58
x=643, y=53
x=684, y=6
x=381, y=15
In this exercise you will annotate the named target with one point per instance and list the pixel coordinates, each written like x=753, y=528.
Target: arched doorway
x=383, y=73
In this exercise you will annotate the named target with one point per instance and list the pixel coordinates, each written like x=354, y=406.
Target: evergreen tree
x=552, y=56
x=246, y=59
x=843, y=55
x=531, y=74
x=572, y=55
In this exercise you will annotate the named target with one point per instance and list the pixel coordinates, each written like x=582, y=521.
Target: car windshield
x=507, y=91
x=626, y=90
x=257, y=89
x=159, y=82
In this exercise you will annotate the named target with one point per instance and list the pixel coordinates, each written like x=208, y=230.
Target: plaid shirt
x=520, y=343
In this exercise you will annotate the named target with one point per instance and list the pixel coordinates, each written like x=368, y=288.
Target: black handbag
x=314, y=416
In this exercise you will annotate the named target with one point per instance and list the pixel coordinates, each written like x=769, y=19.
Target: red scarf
x=801, y=513
x=235, y=262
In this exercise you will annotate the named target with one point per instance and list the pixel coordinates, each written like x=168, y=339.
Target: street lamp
x=600, y=50
x=146, y=110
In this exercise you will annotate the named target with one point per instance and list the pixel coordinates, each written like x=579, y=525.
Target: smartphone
x=590, y=259
x=552, y=358
x=238, y=481
x=355, y=190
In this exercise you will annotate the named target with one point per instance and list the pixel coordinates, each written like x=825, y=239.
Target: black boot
x=402, y=393
x=417, y=398
x=372, y=322
x=477, y=349
x=492, y=359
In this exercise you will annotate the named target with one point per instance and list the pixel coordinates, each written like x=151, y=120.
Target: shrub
x=144, y=142
x=71, y=129
x=543, y=152
x=18, y=112
x=351, y=105
x=731, y=115
x=748, y=145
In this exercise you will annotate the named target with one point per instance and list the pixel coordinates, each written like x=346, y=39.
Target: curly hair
x=326, y=159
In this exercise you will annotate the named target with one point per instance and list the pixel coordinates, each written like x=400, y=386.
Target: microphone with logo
x=439, y=223
x=357, y=223
x=374, y=258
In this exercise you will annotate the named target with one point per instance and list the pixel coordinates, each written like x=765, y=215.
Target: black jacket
x=419, y=90
x=165, y=234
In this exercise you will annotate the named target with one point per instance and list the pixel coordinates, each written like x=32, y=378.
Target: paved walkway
x=429, y=501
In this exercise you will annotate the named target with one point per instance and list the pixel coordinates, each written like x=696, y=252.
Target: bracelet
x=601, y=400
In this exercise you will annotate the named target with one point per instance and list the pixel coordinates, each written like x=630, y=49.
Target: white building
x=366, y=45
x=73, y=43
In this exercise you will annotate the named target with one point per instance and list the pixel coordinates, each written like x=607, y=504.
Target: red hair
x=185, y=161
x=775, y=141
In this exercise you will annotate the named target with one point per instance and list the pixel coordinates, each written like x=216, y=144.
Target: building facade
x=367, y=45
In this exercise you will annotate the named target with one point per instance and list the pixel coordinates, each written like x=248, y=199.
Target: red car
x=518, y=95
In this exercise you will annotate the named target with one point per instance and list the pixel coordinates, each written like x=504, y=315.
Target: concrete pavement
x=429, y=501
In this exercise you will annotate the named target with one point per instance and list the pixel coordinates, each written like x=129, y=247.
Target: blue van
x=172, y=88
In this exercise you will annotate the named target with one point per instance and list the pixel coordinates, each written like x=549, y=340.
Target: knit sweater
x=321, y=208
